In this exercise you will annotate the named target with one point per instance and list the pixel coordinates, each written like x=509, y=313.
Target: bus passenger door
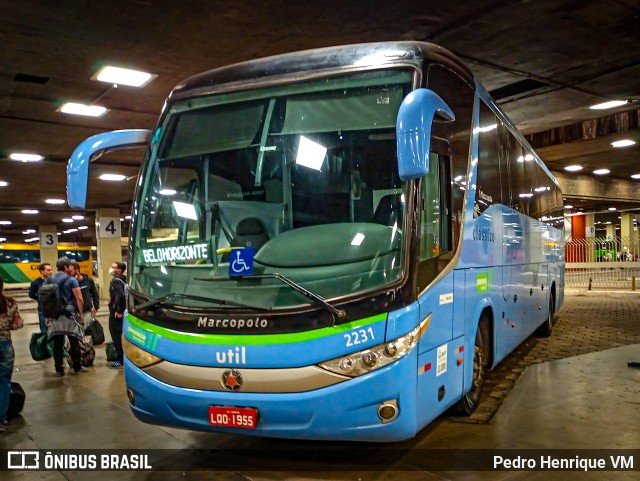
x=439, y=378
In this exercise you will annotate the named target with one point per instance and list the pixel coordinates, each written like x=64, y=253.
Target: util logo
x=233, y=356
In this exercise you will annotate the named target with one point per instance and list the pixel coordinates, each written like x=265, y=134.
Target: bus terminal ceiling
x=545, y=62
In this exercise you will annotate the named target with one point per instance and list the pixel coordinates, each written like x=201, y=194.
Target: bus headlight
x=139, y=357
x=367, y=360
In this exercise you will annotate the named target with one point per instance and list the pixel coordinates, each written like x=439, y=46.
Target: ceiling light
x=26, y=157
x=29, y=231
x=127, y=217
x=67, y=220
x=167, y=192
x=113, y=177
x=635, y=176
x=573, y=168
x=68, y=231
x=3, y=239
x=528, y=157
x=77, y=217
x=123, y=76
x=568, y=207
x=601, y=171
x=608, y=105
x=82, y=109
x=29, y=211
x=3, y=183
x=83, y=227
x=54, y=201
x=5, y=222
x=623, y=143
x=612, y=209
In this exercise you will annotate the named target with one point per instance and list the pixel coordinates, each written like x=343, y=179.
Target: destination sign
x=190, y=252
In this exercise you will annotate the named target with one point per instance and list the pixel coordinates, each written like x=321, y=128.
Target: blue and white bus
x=331, y=244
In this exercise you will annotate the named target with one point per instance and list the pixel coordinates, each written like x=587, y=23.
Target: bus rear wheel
x=546, y=328
x=469, y=402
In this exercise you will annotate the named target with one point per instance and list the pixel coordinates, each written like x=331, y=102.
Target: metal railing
x=612, y=262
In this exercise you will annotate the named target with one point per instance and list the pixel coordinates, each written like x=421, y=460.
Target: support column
x=108, y=234
x=49, y=245
x=611, y=231
x=629, y=235
x=578, y=231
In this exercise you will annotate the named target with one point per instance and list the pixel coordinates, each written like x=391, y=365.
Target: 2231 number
x=359, y=337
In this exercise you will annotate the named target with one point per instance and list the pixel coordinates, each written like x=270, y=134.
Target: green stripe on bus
x=250, y=339
x=11, y=274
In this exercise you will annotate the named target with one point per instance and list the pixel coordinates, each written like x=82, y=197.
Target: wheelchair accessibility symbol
x=241, y=262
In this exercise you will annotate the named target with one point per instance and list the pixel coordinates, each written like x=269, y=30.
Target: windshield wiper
x=164, y=300
x=297, y=287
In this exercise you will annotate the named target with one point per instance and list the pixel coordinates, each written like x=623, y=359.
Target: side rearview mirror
x=91, y=149
x=413, y=131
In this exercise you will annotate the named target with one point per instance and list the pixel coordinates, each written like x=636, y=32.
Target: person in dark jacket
x=89, y=293
x=117, y=306
x=45, y=272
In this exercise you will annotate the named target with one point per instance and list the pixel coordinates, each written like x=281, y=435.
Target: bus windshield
x=305, y=173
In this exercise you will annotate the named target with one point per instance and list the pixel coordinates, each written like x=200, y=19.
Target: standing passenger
x=45, y=273
x=90, y=297
x=70, y=322
x=117, y=305
x=9, y=319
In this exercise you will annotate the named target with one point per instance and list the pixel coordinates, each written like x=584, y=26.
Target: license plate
x=233, y=417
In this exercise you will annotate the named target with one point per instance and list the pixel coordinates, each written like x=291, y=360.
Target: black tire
x=469, y=402
x=546, y=328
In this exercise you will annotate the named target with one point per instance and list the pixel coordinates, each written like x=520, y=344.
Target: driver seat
x=250, y=232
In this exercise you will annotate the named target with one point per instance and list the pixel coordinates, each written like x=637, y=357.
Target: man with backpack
x=62, y=303
x=45, y=273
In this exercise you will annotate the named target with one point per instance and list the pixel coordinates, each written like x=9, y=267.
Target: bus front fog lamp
x=371, y=359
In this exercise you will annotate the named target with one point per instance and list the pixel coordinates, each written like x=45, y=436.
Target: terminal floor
x=574, y=401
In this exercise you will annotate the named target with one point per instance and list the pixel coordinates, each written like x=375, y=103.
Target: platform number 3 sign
x=109, y=227
x=49, y=239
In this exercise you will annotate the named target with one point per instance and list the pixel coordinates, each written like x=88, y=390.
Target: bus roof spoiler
x=91, y=149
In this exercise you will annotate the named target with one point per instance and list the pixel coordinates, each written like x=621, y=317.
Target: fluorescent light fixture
x=77, y=217
x=22, y=157
x=69, y=231
x=5, y=222
x=528, y=157
x=568, y=207
x=127, y=217
x=488, y=128
x=55, y=201
x=167, y=192
x=3, y=183
x=601, y=171
x=521, y=159
x=612, y=209
x=184, y=210
x=573, y=168
x=357, y=240
x=608, y=105
x=541, y=189
x=67, y=220
x=526, y=195
x=83, y=227
x=29, y=231
x=3, y=239
x=30, y=211
x=623, y=143
x=113, y=177
x=82, y=109
x=635, y=176
x=123, y=76
x=310, y=154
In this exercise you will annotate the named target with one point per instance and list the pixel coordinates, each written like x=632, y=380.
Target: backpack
x=50, y=297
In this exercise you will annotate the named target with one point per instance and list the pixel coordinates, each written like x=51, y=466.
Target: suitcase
x=87, y=351
x=16, y=400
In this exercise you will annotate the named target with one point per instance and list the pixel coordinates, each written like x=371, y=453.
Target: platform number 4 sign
x=109, y=227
